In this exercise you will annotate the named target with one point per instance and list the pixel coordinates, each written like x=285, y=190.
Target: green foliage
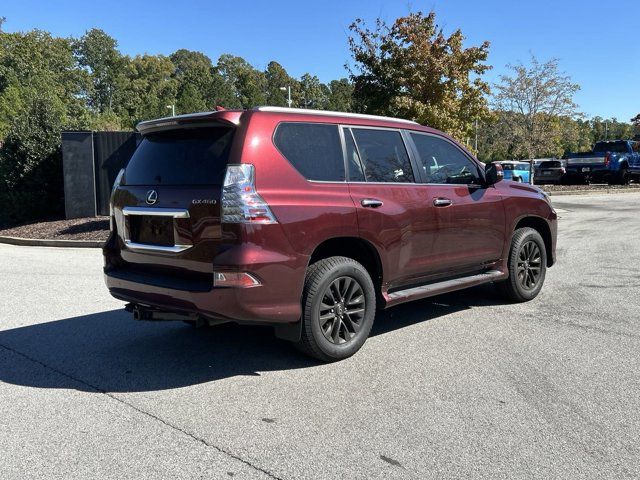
x=340, y=97
x=31, y=163
x=309, y=93
x=248, y=85
x=147, y=87
x=193, y=73
x=97, y=52
x=277, y=80
x=412, y=70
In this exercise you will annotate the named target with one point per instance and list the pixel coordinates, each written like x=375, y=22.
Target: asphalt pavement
x=462, y=385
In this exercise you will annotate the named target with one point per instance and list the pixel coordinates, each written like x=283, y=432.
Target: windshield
x=617, y=147
x=550, y=164
x=195, y=156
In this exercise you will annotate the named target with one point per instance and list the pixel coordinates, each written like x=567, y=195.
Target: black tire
x=623, y=177
x=527, y=265
x=338, y=309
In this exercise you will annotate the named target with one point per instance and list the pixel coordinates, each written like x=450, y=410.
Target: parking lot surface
x=458, y=385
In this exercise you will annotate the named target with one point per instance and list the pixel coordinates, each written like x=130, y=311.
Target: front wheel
x=339, y=304
x=527, y=265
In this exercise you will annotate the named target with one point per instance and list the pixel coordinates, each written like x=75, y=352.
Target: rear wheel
x=339, y=304
x=527, y=266
x=623, y=177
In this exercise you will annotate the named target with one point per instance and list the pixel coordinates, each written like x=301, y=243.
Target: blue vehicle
x=515, y=170
x=615, y=162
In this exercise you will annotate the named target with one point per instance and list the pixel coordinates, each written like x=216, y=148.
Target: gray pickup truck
x=615, y=162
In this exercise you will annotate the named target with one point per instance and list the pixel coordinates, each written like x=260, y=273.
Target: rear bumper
x=275, y=301
x=595, y=173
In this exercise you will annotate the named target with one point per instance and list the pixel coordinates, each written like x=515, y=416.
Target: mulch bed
x=90, y=228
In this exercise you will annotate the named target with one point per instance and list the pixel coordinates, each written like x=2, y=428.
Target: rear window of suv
x=314, y=149
x=551, y=164
x=196, y=156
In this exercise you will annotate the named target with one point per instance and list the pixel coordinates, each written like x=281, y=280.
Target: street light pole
x=173, y=110
x=288, y=90
x=476, y=143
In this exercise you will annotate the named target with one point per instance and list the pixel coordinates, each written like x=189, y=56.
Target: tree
x=194, y=75
x=310, y=93
x=247, y=84
x=147, y=88
x=340, y=96
x=98, y=52
x=537, y=96
x=412, y=70
x=34, y=64
x=277, y=78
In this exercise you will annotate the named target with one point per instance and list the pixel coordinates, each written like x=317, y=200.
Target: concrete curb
x=592, y=192
x=37, y=242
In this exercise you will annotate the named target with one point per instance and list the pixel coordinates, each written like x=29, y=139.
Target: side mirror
x=493, y=173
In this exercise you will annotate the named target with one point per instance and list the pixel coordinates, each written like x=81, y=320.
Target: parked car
x=615, y=162
x=515, y=170
x=550, y=171
x=310, y=221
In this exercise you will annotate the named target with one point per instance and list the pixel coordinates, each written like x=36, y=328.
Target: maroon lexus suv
x=311, y=220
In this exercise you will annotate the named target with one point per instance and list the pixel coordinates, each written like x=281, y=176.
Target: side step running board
x=445, y=286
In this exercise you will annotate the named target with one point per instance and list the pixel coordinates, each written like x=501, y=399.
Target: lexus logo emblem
x=152, y=197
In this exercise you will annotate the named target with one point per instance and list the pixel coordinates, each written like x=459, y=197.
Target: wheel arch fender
x=542, y=227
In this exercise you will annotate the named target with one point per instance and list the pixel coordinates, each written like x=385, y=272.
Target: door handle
x=371, y=202
x=442, y=202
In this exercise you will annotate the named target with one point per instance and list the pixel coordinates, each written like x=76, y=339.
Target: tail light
x=240, y=201
x=607, y=159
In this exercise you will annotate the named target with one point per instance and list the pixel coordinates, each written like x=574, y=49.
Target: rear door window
x=443, y=162
x=314, y=149
x=190, y=156
x=383, y=155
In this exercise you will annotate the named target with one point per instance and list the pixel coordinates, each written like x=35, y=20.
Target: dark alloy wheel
x=338, y=305
x=527, y=266
x=342, y=310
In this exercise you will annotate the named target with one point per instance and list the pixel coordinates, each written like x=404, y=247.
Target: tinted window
x=442, y=162
x=550, y=164
x=181, y=157
x=353, y=159
x=314, y=149
x=383, y=155
x=616, y=147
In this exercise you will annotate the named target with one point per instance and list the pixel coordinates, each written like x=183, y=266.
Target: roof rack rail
x=309, y=111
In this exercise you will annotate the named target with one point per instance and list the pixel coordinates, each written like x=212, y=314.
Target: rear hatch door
x=167, y=206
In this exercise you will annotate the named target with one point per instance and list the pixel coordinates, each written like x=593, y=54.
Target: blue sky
x=597, y=42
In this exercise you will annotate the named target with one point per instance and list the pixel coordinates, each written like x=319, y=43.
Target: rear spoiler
x=230, y=118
